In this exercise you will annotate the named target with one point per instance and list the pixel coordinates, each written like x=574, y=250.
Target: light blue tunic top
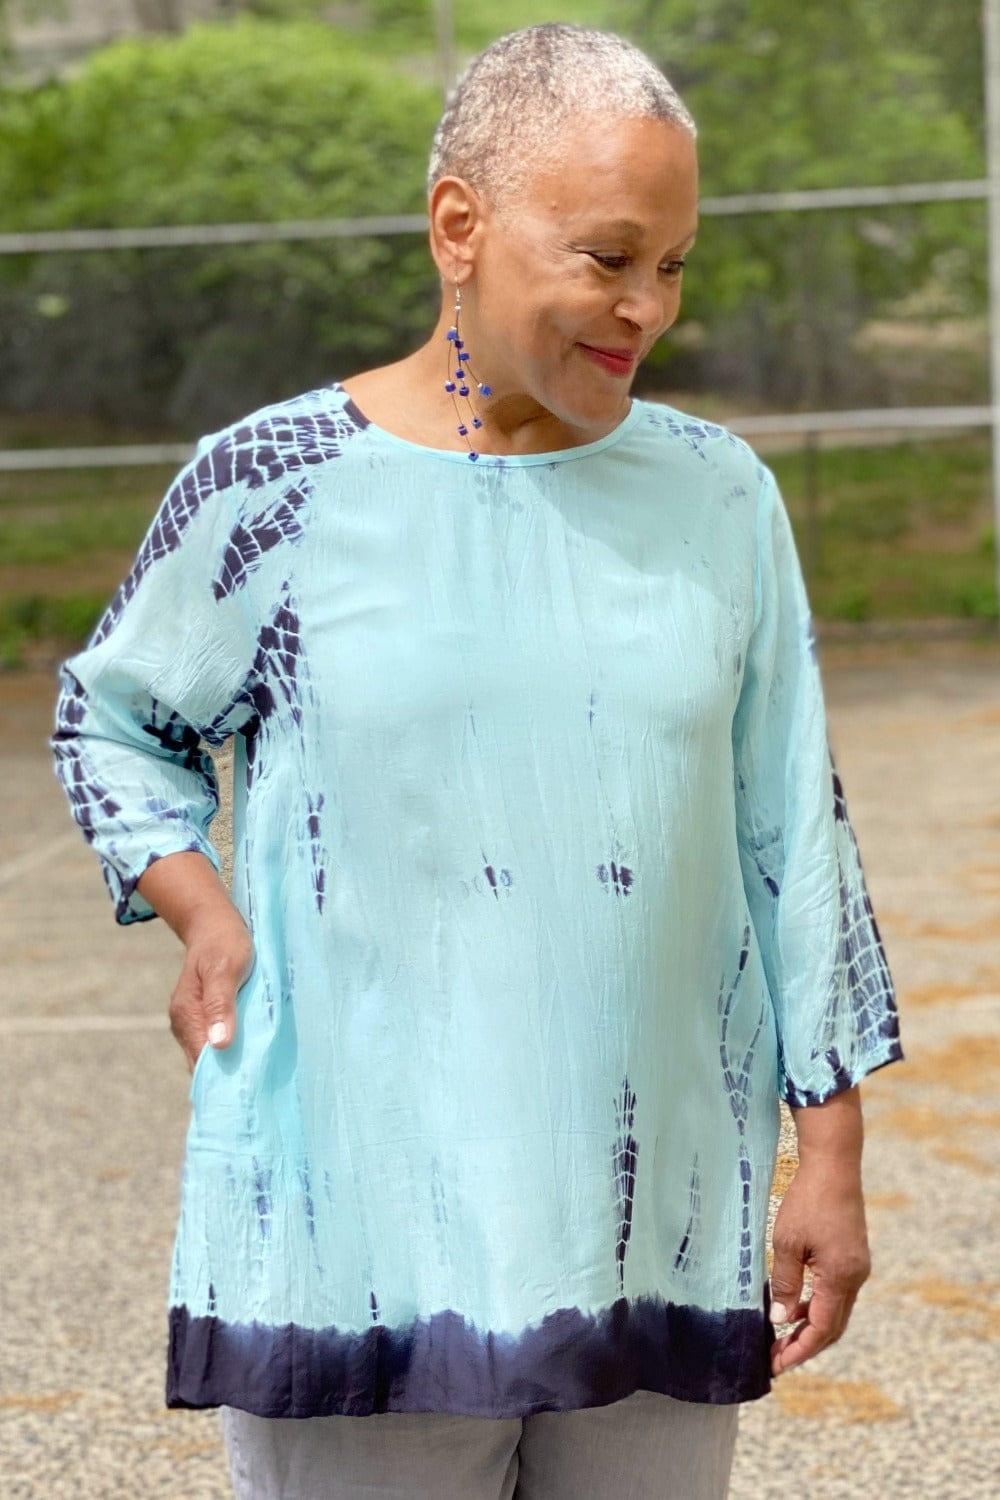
x=552, y=889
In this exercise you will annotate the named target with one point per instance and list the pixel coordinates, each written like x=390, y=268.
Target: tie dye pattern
x=553, y=892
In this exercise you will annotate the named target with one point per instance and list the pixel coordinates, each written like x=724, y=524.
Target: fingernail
x=217, y=1033
x=779, y=1313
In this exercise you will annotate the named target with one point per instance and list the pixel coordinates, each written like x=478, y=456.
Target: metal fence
x=810, y=425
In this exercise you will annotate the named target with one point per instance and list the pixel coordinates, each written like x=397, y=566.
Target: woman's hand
x=220, y=956
x=820, y=1224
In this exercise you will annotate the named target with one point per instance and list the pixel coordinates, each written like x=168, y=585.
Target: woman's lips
x=613, y=363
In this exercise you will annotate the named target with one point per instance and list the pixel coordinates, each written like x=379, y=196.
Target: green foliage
x=25, y=540
x=253, y=119
x=903, y=530
x=976, y=599
x=12, y=644
x=869, y=517
x=250, y=121
x=25, y=612
x=282, y=112
x=817, y=97
x=853, y=602
x=67, y=620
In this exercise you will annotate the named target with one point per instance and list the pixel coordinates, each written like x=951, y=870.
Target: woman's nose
x=647, y=311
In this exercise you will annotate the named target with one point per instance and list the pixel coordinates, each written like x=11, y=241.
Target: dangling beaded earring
x=463, y=389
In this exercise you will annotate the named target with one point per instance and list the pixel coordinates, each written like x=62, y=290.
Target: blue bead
x=485, y=390
x=462, y=430
x=460, y=373
x=473, y=456
x=463, y=390
x=452, y=333
x=459, y=343
x=476, y=422
x=449, y=385
x=465, y=355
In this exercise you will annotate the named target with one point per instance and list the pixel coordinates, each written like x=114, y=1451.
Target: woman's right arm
x=185, y=890
x=173, y=661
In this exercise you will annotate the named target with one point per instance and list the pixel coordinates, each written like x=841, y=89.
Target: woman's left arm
x=832, y=991
x=820, y=1224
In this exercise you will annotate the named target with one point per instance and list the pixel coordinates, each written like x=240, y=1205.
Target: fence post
x=812, y=526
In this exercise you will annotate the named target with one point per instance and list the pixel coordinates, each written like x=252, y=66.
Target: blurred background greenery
x=283, y=109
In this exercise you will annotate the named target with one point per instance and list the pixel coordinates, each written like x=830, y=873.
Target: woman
x=545, y=890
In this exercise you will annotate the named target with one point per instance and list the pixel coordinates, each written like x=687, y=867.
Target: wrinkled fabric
x=553, y=893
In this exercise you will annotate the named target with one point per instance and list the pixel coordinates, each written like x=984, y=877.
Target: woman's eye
x=615, y=262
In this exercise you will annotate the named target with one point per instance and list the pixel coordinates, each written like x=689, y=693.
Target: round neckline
x=491, y=460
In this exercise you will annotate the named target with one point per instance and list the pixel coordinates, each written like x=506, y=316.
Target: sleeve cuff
x=841, y=1078
x=130, y=905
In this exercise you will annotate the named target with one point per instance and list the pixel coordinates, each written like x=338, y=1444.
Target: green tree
x=814, y=97
x=265, y=118
x=255, y=120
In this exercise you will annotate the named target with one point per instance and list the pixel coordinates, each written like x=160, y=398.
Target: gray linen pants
x=645, y=1447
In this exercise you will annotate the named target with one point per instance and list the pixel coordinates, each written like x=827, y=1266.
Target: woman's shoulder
x=281, y=436
x=700, y=444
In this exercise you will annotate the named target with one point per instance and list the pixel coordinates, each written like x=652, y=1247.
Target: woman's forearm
x=832, y=1132
x=181, y=887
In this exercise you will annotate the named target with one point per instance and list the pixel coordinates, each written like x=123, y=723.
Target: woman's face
x=566, y=269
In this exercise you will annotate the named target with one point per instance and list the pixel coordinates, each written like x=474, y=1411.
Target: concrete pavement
x=95, y=1094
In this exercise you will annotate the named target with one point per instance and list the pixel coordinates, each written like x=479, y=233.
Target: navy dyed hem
x=445, y=1364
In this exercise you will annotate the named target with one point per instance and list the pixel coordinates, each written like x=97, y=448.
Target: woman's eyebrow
x=630, y=226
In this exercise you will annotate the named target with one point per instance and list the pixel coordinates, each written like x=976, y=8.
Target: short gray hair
x=503, y=116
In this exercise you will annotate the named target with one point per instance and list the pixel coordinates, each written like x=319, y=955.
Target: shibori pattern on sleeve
x=552, y=890
x=185, y=658
x=826, y=966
